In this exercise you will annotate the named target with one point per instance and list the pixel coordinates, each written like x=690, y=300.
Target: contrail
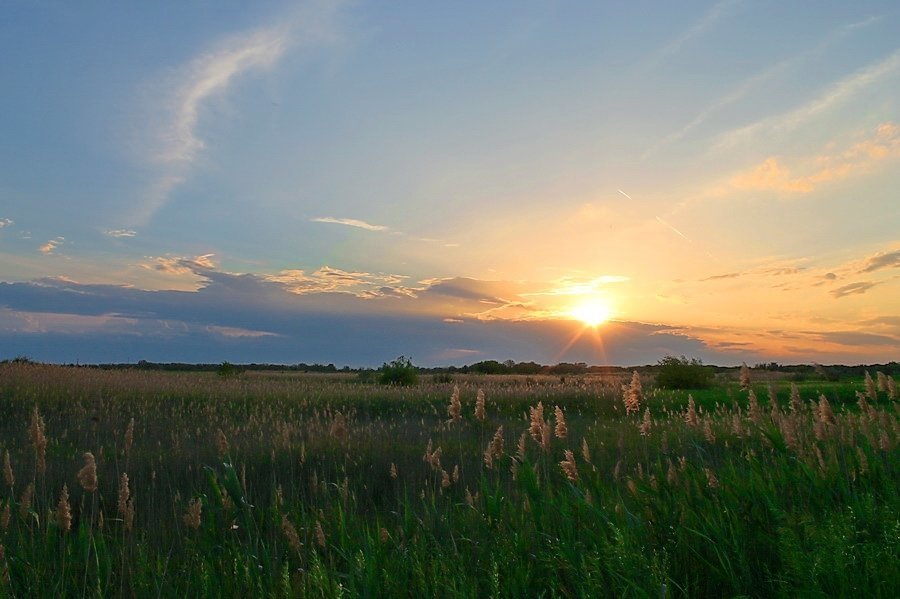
x=674, y=229
x=626, y=195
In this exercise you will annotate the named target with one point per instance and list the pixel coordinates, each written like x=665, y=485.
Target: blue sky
x=719, y=178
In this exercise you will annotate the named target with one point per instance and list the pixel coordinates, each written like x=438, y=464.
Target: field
x=322, y=485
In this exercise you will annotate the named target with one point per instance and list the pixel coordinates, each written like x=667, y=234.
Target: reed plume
x=568, y=466
x=221, y=443
x=753, y=409
x=339, y=428
x=745, y=376
x=87, y=476
x=320, y=535
x=454, y=410
x=646, y=423
x=193, y=514
x=690, y=416
x=290, y=531
x=633, y=394
x=124, y=497
x=36, y=431
x=536, y=425
x=64, y=510
x=561, y=430
x=479, y=405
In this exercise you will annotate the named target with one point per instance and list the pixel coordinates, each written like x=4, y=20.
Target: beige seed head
x=124, y=495
x=383, y=535
x=745, y=376
x=193, y=514
x=753, y=410
x=585, y=451
x=290, y=531
x=320, y=535
x=87, y=476
x=339, y=428
x=36, y=431
x=633, y=394
x=221, y=443
x=393, y=471
x=690, y=416
x=545, y=437
x=454, y=410
x=536, y=426
x=568, y=466
x=646, y=423
x=707, y=430
x=479, y=405
x=561, y=430
x=64, y=510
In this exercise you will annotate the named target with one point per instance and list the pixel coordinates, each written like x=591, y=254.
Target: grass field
x=323, y=486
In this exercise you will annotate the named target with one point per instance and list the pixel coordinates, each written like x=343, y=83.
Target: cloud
x=729, y=275
x=349, y=222
x=50, y=247
x=770, y=175
x=882, y=260
x=120, y=233
x=5, y=222
x=853, y=289
x=858, y=158
x=175, y=139
x=834, y=96
x=701, y=26
x=246, y=317
x=745, y=87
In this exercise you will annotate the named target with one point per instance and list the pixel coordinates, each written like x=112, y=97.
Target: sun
x=592, y=312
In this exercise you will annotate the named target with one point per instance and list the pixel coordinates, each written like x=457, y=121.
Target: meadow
x=137, y=483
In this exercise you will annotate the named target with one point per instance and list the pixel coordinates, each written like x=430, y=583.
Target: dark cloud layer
x=243, y=318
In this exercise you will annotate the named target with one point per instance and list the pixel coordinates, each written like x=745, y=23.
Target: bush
x=682, y=373
x=399, y=372
x=227, y=370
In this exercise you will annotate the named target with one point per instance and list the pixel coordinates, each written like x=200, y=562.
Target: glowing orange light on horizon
x=592, y=313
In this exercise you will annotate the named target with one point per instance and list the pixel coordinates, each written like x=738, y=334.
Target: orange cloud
x=862, y=156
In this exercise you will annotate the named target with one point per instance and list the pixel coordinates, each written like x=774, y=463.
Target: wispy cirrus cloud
x=853, y=289
x=349, y=222
x=835, y=95
x=175, y=139
x=119, y=233
x=700, y=26
x=751, y=84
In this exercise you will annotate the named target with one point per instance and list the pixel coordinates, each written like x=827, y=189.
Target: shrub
x=227, y=370
x=399, y=372
x=683, y=373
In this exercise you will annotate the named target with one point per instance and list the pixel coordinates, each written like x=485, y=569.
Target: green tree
x=683, y=373
x=399, y=372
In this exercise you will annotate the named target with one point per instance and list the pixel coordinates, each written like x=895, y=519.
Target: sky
x=348, y=182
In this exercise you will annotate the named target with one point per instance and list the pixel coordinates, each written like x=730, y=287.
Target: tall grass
x=320, y=486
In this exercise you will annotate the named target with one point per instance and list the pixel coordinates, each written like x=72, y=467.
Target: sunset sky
x=453, y=181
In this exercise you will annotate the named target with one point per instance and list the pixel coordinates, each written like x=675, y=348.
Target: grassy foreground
x=320, y=486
